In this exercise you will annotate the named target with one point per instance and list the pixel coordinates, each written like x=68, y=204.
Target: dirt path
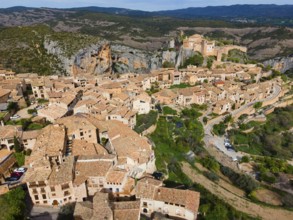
x=237, y=202
x=223, y=183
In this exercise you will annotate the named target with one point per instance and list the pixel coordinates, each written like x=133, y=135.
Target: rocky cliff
x=126, y=59
x=169, y=56
x=281, y=64
x=106, y=58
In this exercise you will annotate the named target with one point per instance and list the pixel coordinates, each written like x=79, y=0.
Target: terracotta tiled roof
x=62, y=173
x=82, y=147
x=4, y=92
x=187, y=198
x=90, y=168
x=127, y=210
x=83, y=210
x=30, y=134
x=116, y=176
x=7, y=162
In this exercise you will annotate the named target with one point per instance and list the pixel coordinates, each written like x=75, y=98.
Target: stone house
x=124, y=115
x=4, y=95
x=7, y=162
x=222, y=106
x=7, y=134
x=142, y=103
x=168, y=201
x=29, y=138
x=103, y=207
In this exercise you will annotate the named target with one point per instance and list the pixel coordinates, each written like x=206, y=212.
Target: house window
x=36, y=197
x=44, y=196
x=81, y=133
x=145, y=204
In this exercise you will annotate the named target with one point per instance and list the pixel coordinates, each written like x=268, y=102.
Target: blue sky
x=146, y=5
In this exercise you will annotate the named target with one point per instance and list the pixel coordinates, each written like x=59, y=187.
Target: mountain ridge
x=231, y=11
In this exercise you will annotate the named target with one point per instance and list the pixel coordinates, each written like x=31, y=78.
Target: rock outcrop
x=126, y=59
x=281, y=64
x=94, y=60
x=105, y=58
x=169, y=56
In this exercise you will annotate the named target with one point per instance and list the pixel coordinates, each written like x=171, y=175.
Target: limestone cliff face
x=126, y=59
x=169, y=56
x=94, y=60
x=53, y=47
x=281, y=64
x=105, y=58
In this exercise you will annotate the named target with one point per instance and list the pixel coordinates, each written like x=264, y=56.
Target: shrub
x=257, y=105
x=268, y=177
x=168, y=64
x=31, y=111
x=244, y=181
x=169, y=111
x=212, y=176
x=210, y=163
x=245, y=159
x=219, y=129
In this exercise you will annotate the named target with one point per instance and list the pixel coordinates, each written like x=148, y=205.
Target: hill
x=24, y=31
x=233, y=11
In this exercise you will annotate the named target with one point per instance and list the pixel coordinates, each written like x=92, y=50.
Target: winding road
x=217, y=141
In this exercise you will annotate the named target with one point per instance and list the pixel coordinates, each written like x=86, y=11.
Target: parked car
x=38, y=107
x=158, y=175
x=12, y=178
x=14, y=117
x=20, y=170
x=16, y=174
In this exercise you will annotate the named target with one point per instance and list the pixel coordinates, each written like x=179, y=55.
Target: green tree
x=245, y=159
x=13, y=205
x=205, y=120
x=17, y=146
x=168, y=64
x=257, y=105
x=12, y=107
x=196, y=60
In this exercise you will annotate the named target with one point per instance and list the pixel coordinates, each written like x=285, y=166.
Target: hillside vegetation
x=22, y=48
x=273, y=138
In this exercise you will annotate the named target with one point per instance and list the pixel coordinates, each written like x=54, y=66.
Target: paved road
x=23, y=112
x=213, y=140
x=44, y=213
